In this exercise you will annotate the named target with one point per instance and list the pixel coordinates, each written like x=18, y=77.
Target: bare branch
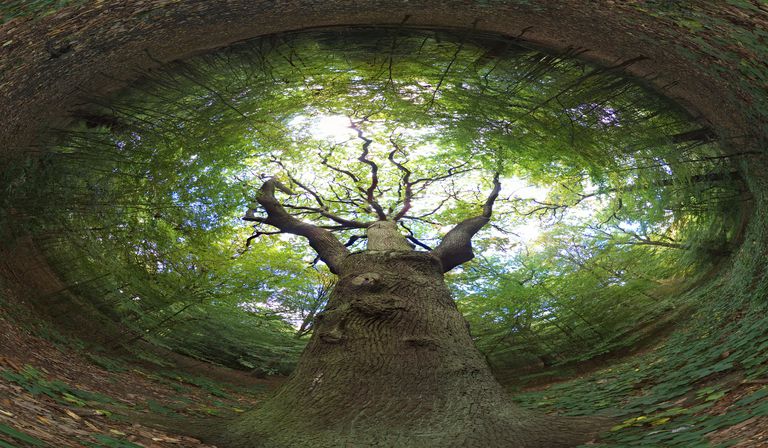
x=644, y=239
x=405, y=181
x=325, y=213
x=312, y=193
x=443, y=76
x=452, y=171
x=349, y=200
x=412, y=238
x=324, y=161
x=456, y=247
x=354, y=239
x=420, y=219
x=322, y=209
x=409, y=194
x=258, y=233
x=369, y=192
x=433, y=211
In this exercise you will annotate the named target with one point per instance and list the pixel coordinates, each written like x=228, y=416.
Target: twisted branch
x=328, y=248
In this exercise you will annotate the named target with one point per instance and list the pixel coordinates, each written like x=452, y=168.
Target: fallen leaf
x=44, y=420
x=72, y=414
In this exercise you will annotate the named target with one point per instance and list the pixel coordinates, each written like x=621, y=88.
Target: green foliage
x=156, y=408
x=109, y=364
x=666, y=397
x=139, y=205
x=204, y=383
x=105, y=441
x=34, y=8
x=20, y=436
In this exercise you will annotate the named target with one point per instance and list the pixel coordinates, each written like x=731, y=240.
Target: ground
x=56, y=394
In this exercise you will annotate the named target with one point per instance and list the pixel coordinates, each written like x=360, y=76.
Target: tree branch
x=369, y=192
x=258, y=233
x=322, y=209
x=456, y=247
x=405, y=181
x=328, y=248
x=412, y=238
x=324, y=212
x=324, y=161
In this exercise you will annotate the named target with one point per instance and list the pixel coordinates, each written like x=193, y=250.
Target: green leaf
x=18, y=435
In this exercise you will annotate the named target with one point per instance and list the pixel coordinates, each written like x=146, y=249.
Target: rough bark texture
x=392, y=364
x=383, y=235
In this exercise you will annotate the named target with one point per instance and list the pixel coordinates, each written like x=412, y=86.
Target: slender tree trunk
x=391, y=364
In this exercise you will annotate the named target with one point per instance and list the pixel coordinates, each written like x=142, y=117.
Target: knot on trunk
x=422, y=342
x=334, y=336
x=331, y=324
x=370, y=281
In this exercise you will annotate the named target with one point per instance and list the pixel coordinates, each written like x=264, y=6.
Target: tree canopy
x=608, y=194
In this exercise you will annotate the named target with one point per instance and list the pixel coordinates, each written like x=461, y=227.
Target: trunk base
x=499, y=428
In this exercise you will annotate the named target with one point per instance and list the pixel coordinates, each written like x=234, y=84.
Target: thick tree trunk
x=391, y=364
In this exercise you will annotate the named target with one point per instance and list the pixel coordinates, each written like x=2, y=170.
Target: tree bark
x=391, y=364
x=383, y=235
x=456, y=247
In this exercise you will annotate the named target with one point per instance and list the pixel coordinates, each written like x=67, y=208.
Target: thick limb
x=328, y=248
x=456, y=247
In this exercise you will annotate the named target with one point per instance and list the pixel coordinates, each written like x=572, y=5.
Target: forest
x=294, y=204
x=608, y=193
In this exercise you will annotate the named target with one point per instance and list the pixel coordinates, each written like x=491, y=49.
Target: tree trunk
x=391, y=364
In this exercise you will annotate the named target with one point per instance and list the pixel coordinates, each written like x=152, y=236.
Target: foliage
x=703, y=379
x=105, y=441
x=18, y=435
x=612, y=197
x=34, y=8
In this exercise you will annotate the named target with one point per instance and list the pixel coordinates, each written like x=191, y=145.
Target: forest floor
x=724, y=407
x=55, y=394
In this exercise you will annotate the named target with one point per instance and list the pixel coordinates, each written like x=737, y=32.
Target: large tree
x=391, y=361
